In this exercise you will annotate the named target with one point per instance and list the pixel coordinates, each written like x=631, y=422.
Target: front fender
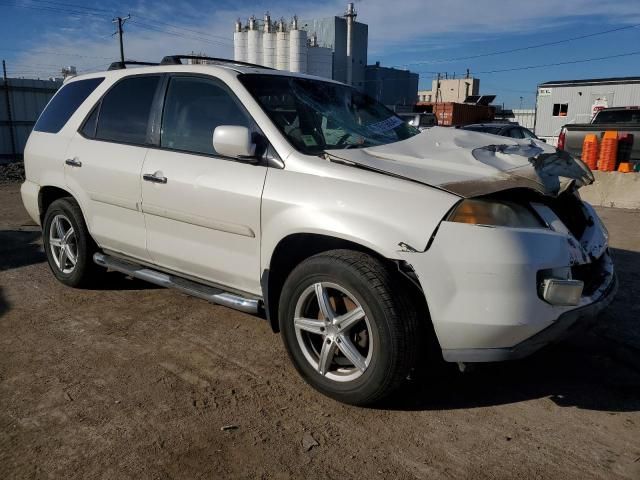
x=368, y=208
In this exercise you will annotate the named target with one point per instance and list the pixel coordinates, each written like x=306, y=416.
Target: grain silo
x=254, y=43
x=297, y=48
x=239, y=43
x=268, y=43
x=282, y=46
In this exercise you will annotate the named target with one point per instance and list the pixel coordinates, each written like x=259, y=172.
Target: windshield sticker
x=385, y=125
x=309, y=141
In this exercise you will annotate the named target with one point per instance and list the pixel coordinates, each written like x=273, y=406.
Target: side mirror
x=234, y=141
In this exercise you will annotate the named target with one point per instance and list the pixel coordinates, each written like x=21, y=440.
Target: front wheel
x=348, y=328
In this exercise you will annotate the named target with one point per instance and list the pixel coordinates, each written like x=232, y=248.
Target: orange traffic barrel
x=625, y=167
x=590, y=151
x=608, y=151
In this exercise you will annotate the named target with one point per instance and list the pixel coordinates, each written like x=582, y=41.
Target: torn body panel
x=470, y=164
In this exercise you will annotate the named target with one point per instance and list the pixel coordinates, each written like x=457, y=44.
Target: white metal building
x=576, y=101
x=333, y=47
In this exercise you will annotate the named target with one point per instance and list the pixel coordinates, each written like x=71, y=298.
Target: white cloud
x=415, y=26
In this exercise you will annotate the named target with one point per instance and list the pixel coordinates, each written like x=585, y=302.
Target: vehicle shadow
x=4, y=305
x=20, y=248
x=594, y=369
x=119, y=281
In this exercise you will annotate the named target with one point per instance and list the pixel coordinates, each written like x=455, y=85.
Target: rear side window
x=89, y=127
x=64, y=104
x=125, y=110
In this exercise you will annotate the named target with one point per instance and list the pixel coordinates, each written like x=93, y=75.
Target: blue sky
x=37, y=37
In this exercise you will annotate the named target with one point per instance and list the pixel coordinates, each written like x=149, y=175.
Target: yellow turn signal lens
x=496, y=213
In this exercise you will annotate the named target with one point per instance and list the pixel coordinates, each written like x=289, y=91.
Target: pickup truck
x=621, y=119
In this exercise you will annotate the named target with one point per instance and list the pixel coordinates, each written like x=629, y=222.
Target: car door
x=202, y=210
x=104, y=164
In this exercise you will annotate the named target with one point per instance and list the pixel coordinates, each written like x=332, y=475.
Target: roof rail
x=121, y=65
x=177, y=60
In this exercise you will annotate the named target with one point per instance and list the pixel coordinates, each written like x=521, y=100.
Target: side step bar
x=211, y=294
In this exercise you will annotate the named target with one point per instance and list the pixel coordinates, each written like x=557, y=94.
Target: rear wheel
x=350, y=333
x=68, y=245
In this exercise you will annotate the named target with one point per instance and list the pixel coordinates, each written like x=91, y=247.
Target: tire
x=386, y=337
x=66, y=213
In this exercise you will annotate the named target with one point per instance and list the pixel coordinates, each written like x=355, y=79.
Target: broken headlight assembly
x=496, y=213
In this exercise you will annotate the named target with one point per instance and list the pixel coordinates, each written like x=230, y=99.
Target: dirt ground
x=133, y=381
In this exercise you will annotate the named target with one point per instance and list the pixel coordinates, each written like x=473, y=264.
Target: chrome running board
x=211, y=294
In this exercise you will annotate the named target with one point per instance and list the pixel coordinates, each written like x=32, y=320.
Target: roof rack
x=177, y=60
x=121, y=65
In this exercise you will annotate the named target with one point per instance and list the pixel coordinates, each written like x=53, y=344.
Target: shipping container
x=457, y=114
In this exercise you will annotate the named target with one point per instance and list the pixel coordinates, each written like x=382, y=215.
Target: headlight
x=492, y=212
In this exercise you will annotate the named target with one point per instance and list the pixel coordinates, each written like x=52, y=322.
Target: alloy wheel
x=63, y=244
x=333, y=331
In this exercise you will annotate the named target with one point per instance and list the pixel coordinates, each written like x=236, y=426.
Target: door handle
x=73, y=162
x=154, y=178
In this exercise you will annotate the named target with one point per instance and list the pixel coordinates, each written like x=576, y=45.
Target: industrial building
x=281, y=45
x=450, y=90
x=21, y=102
x=576, y=101
x=334, y=47
x=391, y=86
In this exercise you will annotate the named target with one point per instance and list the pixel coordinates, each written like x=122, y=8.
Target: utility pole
x=121, y=21
x=9, y=114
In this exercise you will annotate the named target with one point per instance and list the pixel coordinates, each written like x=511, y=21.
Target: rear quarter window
x=64, y=104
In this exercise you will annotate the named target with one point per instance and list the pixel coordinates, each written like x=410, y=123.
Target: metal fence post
x=14, y=153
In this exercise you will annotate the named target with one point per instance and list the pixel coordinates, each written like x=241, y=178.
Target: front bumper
x=481, y=288
x=581, y=317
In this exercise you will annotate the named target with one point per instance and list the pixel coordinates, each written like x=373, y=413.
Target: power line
x=198, y=32
x=520, y=49
x=569, y=62
x=147, y=26
x=46, y=6
x=50, y=52
x=93, y=10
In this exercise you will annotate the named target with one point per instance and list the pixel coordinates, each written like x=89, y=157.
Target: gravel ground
x=11, y=172
x=133, y=381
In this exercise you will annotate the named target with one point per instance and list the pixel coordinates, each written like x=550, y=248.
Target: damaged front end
x=547, y=172
x=543, y=192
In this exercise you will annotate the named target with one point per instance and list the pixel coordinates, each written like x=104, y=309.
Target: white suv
x=360, y=239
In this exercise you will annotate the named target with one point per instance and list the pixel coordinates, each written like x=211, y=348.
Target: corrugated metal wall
x=580, y=99
x=27, y=99
x=391, y=86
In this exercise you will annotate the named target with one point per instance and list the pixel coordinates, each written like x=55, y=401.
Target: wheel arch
x=297, y=247
x=49, y=194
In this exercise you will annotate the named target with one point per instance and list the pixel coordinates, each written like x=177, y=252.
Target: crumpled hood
x=472, y=163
